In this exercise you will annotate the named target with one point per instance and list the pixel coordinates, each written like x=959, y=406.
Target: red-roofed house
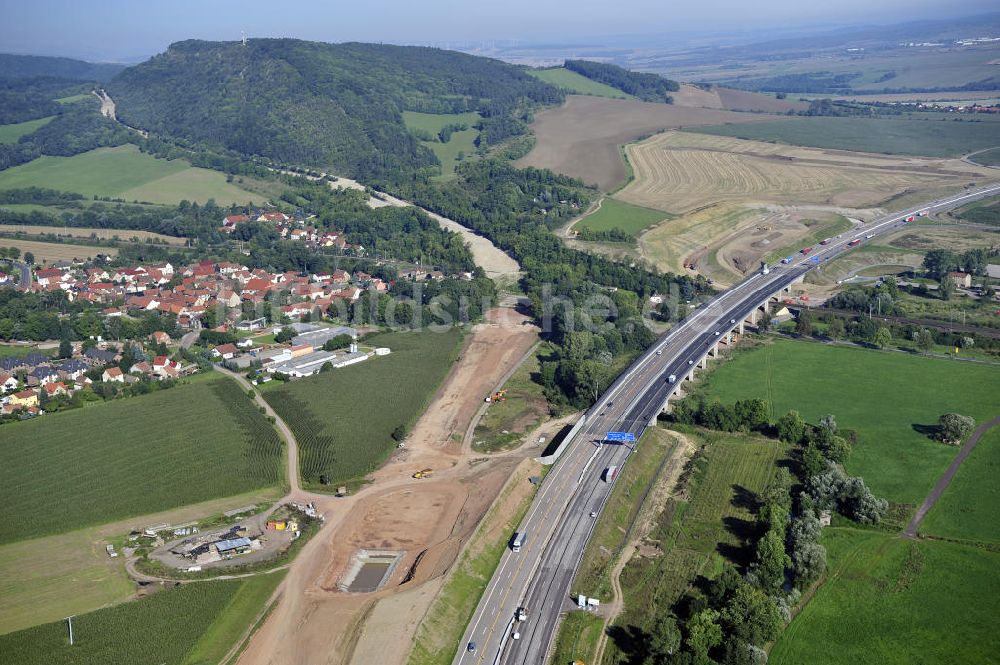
x=113, y=375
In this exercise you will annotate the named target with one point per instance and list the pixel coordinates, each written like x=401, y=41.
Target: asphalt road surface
x=559, y=523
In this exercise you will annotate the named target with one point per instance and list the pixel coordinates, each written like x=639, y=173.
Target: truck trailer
x=610, y=474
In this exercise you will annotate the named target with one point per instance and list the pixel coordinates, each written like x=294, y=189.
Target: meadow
x=579, y=84
x=892, y=135
x=888, y=600
x=186, y=625
x=463, y=141
x=124, y=172
x=989, y=157
x=166, y=449
x=968, y=508
x=343, y=419
x=11, y=133
x=696, y=536
x=884, y=396
x=615, y=214
x=680, y=172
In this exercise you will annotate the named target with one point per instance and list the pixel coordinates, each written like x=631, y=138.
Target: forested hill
x=647, y=87
x=336, y=106
x=31, y=66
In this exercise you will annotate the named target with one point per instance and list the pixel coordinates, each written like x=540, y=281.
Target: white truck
x=672, y=378
x=610, y=474
x=517, y=542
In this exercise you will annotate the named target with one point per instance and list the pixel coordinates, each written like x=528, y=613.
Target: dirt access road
x=942, y=484
x=429, y=520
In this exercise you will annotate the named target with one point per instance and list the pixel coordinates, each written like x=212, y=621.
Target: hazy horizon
x=127, y=32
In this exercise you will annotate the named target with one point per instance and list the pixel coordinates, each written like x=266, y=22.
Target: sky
x=130, y=30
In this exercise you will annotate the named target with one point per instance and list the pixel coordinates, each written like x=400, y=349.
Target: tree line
x=647, y=87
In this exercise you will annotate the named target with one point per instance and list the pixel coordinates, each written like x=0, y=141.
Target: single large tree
x=953, y=427
x=752, y=616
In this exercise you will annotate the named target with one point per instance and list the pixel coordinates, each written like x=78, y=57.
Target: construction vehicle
x=424, y=473
x=498, y=396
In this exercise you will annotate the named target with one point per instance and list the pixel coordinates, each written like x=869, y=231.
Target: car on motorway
x=516, y=636
x=732, y=320
x=471, y=648
x=870, y=236
x=806, y=250
x=593, y=513
x=690, y=362
x=659, y=352
x=718, y=332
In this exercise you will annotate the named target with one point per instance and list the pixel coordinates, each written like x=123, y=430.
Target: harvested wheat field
x=49, y=252
x=680, y=172
x=581, y=137
x=124, y=235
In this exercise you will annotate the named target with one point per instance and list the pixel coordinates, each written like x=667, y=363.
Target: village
x=267, y=324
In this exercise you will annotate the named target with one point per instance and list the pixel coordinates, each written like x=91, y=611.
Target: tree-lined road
x=559, y=523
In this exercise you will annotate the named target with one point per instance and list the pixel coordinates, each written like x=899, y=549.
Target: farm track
x=942, y=484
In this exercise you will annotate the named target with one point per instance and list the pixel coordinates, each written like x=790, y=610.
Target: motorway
x=559, y=523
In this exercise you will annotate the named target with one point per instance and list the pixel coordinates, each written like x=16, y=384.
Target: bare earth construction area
x=740, y=202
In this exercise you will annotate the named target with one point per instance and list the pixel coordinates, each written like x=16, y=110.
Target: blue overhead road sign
x=620, y=436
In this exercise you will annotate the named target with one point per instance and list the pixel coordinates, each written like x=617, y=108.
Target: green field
x=968, y=509
x=194, y=624
x=570, y=81
x=133, y=456
x=696, y=536
x=615, y=214
x=343, y=419
x=989, y=158
x=126, y=173
x=75, y=98
x=463, y=141
x=898, y=136
x=505, y=423
x=881, y=395
x=11, y=133
x=887, y=600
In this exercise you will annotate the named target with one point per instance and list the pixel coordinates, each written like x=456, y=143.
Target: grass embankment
x=694, y=534
x=11, y=133
x=819, y=231
x=343, y=419
x=615, y=214
x=194, y=624
x=903, y=135
x=888, y=600
x=580, y=632
x=170, y=448
x=612, y=529
x=460, y=145
x=524, y=407
x=571, y=81
x=126, y=173
x=885, y=397
x=440, y=632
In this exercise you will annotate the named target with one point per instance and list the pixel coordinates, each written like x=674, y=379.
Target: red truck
x=854, y=243
x=806, y=250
